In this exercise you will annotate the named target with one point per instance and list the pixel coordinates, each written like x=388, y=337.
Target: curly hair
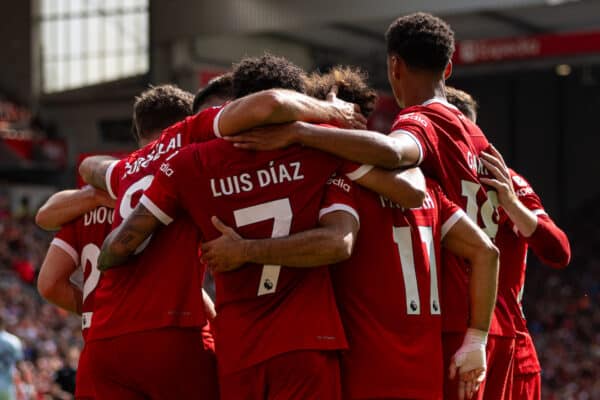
x=253, y=74
x=463, y=101
x=220, y=87
x=351, y=85
x=159, y=107
x=422, y=40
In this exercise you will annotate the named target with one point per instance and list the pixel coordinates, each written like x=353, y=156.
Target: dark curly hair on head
x=422, y=40
x=159, y=107
x=351, y=83
x=463, y=101
x=220, y=87
x=254, y=74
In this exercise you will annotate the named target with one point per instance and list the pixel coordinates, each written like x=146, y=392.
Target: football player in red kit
x=169, y=325
x=85, y=218
x=265, y=195
x=429, y=132
x=76, y=246
x=524, y=224
x=392, y=338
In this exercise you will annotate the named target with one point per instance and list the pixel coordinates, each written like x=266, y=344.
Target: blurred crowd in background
x=562, y=308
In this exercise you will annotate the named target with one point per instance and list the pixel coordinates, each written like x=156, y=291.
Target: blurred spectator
x=11, y=352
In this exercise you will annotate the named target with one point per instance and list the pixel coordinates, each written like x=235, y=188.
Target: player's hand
x=469, y=363
x=502, y=181
x=225, y=253
x=267, y=138
x=103, y=198
x=346, y=115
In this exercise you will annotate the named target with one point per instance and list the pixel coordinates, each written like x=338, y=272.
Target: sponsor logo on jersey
x=414, y=117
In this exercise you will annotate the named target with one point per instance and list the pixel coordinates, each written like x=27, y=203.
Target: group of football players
x=348, y=264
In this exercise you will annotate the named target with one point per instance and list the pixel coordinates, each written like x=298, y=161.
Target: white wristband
x=475, y=337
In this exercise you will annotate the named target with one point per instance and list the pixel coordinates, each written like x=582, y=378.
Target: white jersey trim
x=450, y=222
x=441, y=101
x=86, y=320
x=67, y=248
x=539, y=211
x=413, y=137
x=108, y=179
x=339, y=207
x=216, y=123
x=360, y=172
x=155, y=210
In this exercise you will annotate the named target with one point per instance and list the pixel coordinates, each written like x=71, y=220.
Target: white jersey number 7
x=281, y=212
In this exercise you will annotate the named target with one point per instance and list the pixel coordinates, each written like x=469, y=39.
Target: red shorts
x=499, y=376
x=84, y=388
x=527, y=386
x=168, y=363
x=305, y=374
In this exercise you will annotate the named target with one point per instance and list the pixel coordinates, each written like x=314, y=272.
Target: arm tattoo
x=124, y=241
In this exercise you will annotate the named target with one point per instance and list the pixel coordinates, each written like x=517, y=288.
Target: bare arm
x=54, y=280
x=124, y=241
x=523, y=218
x=93, y=170
x=278, y=106
x=362, y=146
x=331, y=242
x=404, y=187
x=467, y=241
x=67, y=205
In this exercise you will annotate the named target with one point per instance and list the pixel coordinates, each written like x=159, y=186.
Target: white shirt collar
x=439, y=100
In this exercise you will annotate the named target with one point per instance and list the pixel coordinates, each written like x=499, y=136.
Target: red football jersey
x=389, y=297
x=262, y=310
x=448, y=155
x=82, y=239
x=162, y=285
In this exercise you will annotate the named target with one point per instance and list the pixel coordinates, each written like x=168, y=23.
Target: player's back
x=82, y=239
x=263, y=310
x=388, y=296
x=127, y=297
x=451, y=158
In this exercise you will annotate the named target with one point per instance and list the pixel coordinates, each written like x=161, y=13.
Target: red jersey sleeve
x=450, y=213
x=113, y=173
x=161, y=198
x=549, y=243
x=204, y=126
x=415, y=125
x=339, y=196
x=67, y=239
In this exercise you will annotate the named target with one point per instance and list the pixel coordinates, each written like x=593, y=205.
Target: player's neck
x=150, y=137
x=421, y=88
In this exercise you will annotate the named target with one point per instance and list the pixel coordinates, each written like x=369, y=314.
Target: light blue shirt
x=11, y=351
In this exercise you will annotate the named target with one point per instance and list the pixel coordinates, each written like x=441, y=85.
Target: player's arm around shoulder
x=526, y=212
x=405, y=187
x=54, y=278
x=66, y=205
x=277, y=106
x=331, y=242
x=94, y=170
